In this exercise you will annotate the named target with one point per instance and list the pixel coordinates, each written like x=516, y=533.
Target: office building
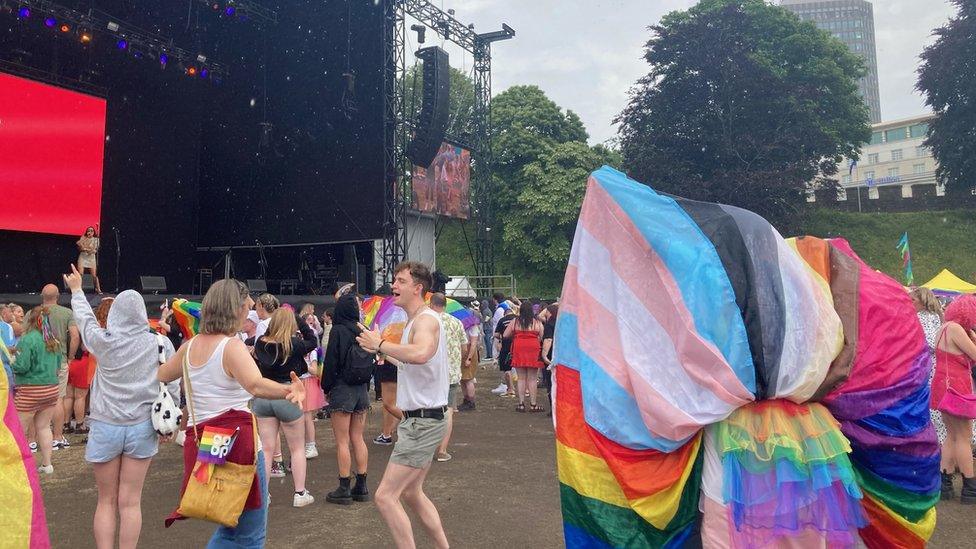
x=852, y=22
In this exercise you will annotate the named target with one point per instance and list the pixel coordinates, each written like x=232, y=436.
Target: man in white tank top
x=422, y=388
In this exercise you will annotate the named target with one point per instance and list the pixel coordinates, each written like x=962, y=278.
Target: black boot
x=968, y=492
x=341, y=495
x=360, y=492
x=947, y=491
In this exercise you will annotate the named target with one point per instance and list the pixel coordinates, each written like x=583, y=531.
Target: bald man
x=64, y=328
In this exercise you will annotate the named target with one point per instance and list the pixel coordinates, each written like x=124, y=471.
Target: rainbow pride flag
x=22, y=517
x=679, y=317
x=187, y=315
x=380, y=313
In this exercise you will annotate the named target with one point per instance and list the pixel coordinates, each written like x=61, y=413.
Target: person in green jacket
x=39, y=356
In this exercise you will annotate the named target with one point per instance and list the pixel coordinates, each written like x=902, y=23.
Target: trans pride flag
x=680, y=318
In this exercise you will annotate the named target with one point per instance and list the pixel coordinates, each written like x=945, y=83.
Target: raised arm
x=421, y=348
x=85, y=322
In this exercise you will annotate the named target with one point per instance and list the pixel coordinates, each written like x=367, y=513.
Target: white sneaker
x=311, y=451
x=46, y=469
x=500, y=390
x=303, y=499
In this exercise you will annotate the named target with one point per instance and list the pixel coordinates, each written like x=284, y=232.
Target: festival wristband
x=380, y=346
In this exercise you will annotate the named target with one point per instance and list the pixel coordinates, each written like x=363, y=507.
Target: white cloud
x=586, y=55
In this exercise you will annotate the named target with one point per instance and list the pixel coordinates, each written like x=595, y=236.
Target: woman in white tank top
x=223, y=378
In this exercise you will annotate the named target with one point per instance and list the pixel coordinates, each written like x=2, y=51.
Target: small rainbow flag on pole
x=906, y=255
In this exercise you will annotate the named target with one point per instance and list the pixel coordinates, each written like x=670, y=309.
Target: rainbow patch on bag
x=215, y=444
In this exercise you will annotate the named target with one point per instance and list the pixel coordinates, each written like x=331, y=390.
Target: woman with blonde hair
x=280, y=355
x=39, y=356
x=222, y=379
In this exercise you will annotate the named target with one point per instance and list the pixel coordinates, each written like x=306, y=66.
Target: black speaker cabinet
x=435, y=110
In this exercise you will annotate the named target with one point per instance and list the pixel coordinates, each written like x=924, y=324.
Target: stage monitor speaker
x=153, y=284
x=87, y=283
x=435, y=109
x=257, y=286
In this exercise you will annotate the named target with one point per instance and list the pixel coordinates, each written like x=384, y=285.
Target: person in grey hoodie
x=121, y=440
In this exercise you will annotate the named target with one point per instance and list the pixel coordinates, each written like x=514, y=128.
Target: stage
x=263, y=132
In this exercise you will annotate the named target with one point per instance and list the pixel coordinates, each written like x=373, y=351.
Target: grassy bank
x=938, y=240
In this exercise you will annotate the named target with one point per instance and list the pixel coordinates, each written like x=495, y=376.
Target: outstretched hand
x=73, y=280
x=369, y=340
x=296, y=391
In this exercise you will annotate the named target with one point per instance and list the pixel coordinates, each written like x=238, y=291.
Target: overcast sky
x=585, y=54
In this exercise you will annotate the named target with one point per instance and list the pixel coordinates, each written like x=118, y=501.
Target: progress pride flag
x=51, y=146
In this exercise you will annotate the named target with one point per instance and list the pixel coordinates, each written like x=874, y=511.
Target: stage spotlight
x=65, y=28
x=50, y=22
x=229, y=11
x=85, y=36
x=122, y=44
x=24, y=12
x=191, y=71
x=113, y=26
x=163, y=59
x=204, y=73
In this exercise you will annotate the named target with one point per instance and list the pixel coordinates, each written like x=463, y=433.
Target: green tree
x=540, y=229
x=947, y=77
x=744, y=104
x=525, y=125
x=460, y=125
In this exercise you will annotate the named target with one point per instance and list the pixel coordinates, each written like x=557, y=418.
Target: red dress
x=526, y=349
x=954, y=367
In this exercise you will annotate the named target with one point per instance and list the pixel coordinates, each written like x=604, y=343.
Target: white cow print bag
x=166, y=415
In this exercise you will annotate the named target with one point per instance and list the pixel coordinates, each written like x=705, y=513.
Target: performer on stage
x=87, y=252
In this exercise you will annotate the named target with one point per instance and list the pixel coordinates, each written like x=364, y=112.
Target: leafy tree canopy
x=744, y=104
x=540, y=228
x=525, y=125
x=947, y=77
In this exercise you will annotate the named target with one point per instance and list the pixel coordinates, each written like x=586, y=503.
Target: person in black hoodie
x=348, y=404
x=278, y=353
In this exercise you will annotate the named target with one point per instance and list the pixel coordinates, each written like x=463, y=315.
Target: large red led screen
x=52, y=142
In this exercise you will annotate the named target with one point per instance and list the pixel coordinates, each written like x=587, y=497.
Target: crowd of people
x=268, y=374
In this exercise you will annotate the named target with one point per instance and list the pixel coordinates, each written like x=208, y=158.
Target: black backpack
x=359, y=366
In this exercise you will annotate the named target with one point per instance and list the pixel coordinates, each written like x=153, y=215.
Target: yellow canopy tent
x=946, y=281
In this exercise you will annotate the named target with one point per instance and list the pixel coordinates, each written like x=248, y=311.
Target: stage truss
x=396, y=167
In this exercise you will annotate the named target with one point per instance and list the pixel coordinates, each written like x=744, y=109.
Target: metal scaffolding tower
x=397, y=169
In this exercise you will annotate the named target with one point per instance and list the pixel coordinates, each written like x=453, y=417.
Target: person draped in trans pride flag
x=705, y=363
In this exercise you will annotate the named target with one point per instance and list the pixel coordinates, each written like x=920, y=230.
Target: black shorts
x=350, y=399
x=386, y=373
x=505, y=361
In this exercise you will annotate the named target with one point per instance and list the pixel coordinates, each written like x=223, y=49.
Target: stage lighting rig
x=421, y=33
x=138, y=42
x=244, y=9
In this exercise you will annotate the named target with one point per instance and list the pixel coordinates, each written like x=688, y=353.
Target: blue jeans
x=252, y=527
x=489, y=344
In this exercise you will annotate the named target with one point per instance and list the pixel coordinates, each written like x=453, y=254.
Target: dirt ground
x=500, y=490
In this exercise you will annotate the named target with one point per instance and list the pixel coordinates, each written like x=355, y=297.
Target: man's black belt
x=429, y=413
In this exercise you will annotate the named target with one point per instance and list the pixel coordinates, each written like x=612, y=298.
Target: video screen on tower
x=52, y=144
x=444, y=186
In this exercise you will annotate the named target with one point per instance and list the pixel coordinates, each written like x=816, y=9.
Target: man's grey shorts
x=417, y=440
